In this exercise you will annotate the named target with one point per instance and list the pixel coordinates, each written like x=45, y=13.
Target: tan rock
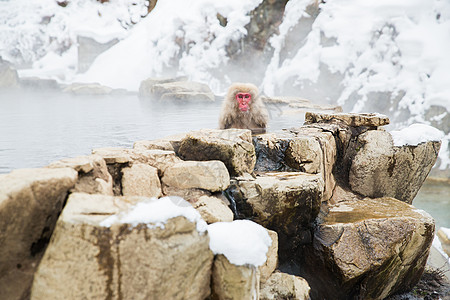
x=190, y=195
x=208, y=175
x=310, y=150
x=87, y=89
x=232, y=146
x=286, y=202
x=213, y=209
x=159, y=159
x=188, y=97
x=379, y=169
x=170, y=143
x=284, y=286
x=30, y=203
x=141, y=180
x=234, y=282
x=119, y=158
x=122, y=261
x=146, y=86
x=368, y=249
x=93, y=175
x=350, y=119
x=444, y=238
x=180, y=87
x=271, y=263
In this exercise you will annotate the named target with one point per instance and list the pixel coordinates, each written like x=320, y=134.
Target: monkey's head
x=244, y=94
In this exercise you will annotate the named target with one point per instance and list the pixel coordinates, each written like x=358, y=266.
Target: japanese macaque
x=243, y=108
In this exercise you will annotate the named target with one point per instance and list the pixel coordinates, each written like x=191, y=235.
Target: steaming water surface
x=37, y=128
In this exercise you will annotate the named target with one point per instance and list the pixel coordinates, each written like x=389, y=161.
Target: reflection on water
x=434, y=198
x=37, y=128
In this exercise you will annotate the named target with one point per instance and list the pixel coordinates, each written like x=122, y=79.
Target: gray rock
x=8, y=75
x=36, y=83
x=89, y=49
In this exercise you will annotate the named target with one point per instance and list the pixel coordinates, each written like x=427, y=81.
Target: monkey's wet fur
x=243, y=108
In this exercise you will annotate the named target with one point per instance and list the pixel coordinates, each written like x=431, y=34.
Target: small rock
x=284, y=286
x=444, y=237
x=208, y=175
x=213, y=209
x=271, y=263
x=93, y=175
x=233, y=282
x=141, y=180
x=170, y=143
x=8, y=75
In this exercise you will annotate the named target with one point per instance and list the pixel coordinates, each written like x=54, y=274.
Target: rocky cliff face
x=335, y=193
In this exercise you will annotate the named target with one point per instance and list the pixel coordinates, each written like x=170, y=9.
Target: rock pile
x=334, y=194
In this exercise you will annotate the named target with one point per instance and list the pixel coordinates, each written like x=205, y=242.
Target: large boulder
x=232, y=146
x=107, y=248
x=30, y=203
x=380, y=169
x=284, y=286
x=93, y=175
x=286, y=202
x=208, y=175
x=305, y=149
x=367, y=249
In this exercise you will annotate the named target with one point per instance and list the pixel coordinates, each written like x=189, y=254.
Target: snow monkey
x=243, y=108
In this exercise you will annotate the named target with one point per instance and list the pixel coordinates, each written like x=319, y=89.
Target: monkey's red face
x=244, y=100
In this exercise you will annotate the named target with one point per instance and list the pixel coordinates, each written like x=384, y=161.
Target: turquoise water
x=434, y=198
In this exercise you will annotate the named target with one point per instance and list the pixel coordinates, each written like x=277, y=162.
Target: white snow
x=416, y=134
x=187, y=40
x=156, y=212
x=241, y=241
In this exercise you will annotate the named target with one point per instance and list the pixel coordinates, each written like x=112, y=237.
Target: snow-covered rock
x=131, y=248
